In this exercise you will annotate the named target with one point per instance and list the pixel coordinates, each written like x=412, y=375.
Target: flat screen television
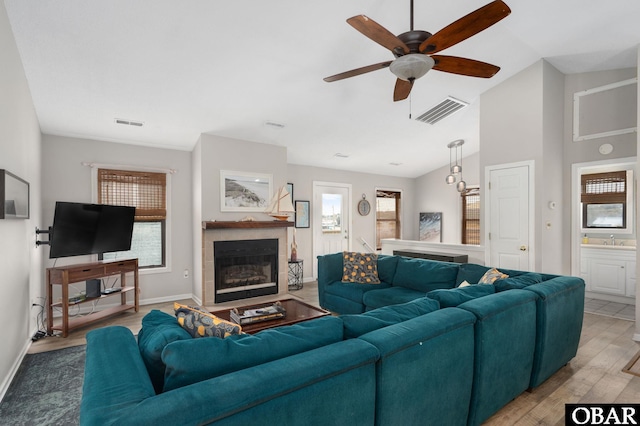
x=81, y=229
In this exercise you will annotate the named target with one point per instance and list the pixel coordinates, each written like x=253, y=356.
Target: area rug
x=46, y=389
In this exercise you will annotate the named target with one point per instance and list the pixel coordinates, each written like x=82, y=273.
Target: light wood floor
x=593, y=376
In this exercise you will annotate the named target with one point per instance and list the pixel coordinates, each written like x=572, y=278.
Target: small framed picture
x=302, y=214
x=290, y=191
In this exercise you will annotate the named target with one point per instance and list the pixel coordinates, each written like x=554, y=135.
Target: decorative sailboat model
x=280, y=206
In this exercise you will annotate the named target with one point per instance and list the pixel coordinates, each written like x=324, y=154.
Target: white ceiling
x=228, y=67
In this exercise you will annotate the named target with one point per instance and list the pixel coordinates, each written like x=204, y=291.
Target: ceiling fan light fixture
x=412, y=66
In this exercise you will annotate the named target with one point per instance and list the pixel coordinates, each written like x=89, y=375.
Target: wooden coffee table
x=297, y=311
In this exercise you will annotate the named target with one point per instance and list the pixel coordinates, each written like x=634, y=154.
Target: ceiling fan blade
x=378, y=33
x=357, y=71
x=466, y=27
x=402, y=90
x=464, y=66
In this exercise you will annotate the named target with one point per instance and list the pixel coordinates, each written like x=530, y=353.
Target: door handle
x=523, y=248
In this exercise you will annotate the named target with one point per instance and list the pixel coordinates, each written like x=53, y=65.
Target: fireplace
x=245, y=280
x=244, y=269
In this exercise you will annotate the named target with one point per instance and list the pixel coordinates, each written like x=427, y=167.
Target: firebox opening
x=245, y=268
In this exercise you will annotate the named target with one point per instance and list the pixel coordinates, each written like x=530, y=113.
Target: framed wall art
x=244, y=191
x=431, y=227
x=302, y=214
x=290, y=190
x=14, y=196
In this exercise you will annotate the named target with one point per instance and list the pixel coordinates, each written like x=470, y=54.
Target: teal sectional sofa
x=453, y=358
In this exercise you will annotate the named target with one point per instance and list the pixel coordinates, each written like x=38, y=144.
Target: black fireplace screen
x=245, y=268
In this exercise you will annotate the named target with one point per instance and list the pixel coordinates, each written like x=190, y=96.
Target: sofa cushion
x=357, y=325
x=360, y=268
x=518, y=282
x=158, y=330
x=200, y=323
x=470, y=272
x=387, y=267
x=195, y=360
x=353, y=291
x=425, y=275
x=389, y=296
x=451, y=298
x=491, y=276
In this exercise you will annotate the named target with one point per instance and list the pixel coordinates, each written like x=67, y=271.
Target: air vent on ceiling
x=442, y=110
x=128, y=122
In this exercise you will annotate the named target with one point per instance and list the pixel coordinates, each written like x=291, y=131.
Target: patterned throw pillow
x=360, y=268
x=200, y=323
x=491, y=276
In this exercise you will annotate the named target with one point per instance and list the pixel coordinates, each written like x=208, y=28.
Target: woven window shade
x=604, y=188
x=471, y=216
x=146, y=191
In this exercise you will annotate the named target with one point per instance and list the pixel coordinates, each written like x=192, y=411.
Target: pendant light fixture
x=456, y=169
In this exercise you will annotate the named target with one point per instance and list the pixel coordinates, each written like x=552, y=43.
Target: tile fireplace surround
x=237, y=231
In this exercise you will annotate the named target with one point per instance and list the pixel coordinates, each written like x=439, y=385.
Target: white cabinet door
x=631, y=279
x=608, y=276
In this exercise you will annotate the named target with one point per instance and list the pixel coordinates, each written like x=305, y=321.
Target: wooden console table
x=66, y=275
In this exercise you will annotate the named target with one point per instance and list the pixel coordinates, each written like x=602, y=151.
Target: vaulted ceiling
x=253, y=70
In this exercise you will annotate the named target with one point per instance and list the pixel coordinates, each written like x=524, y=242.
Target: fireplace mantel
x=248, y=224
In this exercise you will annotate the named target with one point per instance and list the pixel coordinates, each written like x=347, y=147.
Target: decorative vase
x=294, y=248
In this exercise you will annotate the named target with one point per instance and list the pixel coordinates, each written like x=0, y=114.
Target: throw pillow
x=200, y=323
x=464, y=284
x=491, y=276
x=360, y=268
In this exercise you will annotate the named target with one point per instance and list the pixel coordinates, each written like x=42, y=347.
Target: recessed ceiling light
x=339, y=155
x=128, y=122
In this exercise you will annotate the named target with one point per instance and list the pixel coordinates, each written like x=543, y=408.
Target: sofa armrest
x=329, y=271
x=560, y=312
x=334, y=384
x=114, y=375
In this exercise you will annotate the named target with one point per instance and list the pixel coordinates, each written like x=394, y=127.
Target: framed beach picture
x=431, y=227
x=244, y=191
x=302, y=214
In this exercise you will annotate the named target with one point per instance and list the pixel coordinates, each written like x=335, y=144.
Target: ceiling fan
x=414, y=50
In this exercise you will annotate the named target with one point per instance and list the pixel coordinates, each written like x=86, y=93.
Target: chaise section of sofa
x=425, y=371
x=505, y=336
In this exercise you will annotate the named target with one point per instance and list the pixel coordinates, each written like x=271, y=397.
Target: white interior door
x=509, y=213
x=331, y=219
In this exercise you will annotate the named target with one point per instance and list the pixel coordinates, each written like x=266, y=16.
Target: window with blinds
x=604, y=200
x=471, y=216
x=147, y=192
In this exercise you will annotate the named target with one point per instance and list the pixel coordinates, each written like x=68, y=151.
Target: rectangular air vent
x=442, y=110
x=128, y=122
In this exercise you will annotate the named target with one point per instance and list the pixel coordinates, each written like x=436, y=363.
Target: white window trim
x=94, y=198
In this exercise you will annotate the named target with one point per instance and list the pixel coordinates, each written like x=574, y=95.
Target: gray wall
x=303, y=177
x=212, y=154
x=20, y=260
x=434, y=195
x=65, y=178
x=520, y=120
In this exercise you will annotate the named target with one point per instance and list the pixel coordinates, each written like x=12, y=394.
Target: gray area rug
x=46, y=389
